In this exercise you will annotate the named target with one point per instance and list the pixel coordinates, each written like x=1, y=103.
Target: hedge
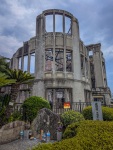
x=91, y=135
x=32, y=105
x=107, y=113
x=70, y=117
x=71, y=130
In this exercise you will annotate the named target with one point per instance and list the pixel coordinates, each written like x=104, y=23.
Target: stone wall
x=11, y=131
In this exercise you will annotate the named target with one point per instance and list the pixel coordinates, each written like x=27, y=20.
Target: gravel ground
x=19, y=145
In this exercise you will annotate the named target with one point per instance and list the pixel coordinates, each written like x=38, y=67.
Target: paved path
x=19, y=145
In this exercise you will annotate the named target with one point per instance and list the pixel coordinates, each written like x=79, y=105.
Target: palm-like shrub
x=20, y=77
x=4, y=81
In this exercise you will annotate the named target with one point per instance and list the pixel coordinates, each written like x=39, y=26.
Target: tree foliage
x=32, y=105
x=4, y=81
x=70, y=117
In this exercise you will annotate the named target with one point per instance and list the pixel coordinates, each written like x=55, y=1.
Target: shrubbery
x=15, y=116
x=4, y=104
x=32, y=105
x=70, y=117
x=107, y=113
x=71, y=130
x=91, y=135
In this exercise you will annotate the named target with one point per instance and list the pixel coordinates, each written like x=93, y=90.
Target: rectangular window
x=25, y=63
x=86, y=63
x=90, y=53
x=59, y=59
x=49, y=23
x=19, y=63
x=32, y=63
x=58, y=23
x=48, y=59
x=68, y=61
x=67, y=25
x=82, y=65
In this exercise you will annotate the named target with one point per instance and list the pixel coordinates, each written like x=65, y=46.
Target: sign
x=67, y=105
x=97, y=110
x=59, y=94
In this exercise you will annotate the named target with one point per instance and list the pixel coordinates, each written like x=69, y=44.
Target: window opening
x=32, y=63
x=19, y=62
x=82, y=65
x=90, y=53
x=25, y=63
x=57, y=97
x=67, y=25
x=58, y=23
x=49, y=23
x=86, y=62
x=59, y=59
x=68, y=61
x=48, y=59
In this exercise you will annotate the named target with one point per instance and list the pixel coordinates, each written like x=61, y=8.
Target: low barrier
x=11, y=131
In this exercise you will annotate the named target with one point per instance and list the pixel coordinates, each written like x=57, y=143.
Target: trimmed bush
x=32, y=105
x=107, y=113
x=71, y=130
x=70, y=117
x=91, y=135
x=87, y=113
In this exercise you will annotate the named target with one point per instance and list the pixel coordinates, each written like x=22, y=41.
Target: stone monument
x=97, y=110
x=46, y=120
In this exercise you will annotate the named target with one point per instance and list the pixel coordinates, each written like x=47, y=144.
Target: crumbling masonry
x=65, y=69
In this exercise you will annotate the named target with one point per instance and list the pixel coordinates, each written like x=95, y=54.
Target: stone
x=11, y=131
x=46, y=120
x=97, y=111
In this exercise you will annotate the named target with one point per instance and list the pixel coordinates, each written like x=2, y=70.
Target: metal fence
x=76, y=106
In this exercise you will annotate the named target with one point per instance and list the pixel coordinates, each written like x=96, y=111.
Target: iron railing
x=76, y=106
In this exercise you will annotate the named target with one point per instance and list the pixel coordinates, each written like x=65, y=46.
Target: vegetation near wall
x=91, y=135
x=107, y=113
x=4, y=102
x=32, y=105
x=71, y=130
x=70, y=117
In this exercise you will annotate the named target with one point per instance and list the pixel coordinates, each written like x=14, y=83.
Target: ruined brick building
x=65, y=69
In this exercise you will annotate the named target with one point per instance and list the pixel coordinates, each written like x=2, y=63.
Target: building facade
x=65, y=69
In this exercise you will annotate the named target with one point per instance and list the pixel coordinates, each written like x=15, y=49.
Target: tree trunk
x=14, y=92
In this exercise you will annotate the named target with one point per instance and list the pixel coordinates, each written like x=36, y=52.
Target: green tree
x=32, y=105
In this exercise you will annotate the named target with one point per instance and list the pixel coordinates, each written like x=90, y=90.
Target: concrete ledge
x=11, y=131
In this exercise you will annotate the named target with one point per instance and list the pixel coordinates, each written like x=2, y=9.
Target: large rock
x=46, y=120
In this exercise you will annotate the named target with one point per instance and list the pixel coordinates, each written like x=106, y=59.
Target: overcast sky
x=17, y=24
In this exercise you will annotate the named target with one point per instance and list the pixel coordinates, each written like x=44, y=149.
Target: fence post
x=80, y=105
